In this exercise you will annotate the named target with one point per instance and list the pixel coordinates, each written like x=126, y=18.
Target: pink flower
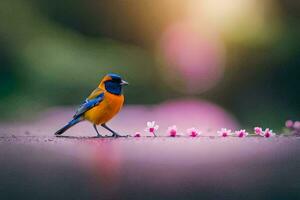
x=224, y=132
x=241, y=133
x=172, y=131
x=258, y=131
x=151, y=127
x=268, y=133
x=289, y=124
x=296, y=125
x=193, y=132
x=137, y=134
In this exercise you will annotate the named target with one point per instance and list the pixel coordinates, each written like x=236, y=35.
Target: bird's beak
x=124, y=82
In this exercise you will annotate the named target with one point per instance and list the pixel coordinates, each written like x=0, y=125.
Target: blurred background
x=241, y=55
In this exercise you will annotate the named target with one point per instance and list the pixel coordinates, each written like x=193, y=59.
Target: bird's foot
x=115, y=135
x=99, y=136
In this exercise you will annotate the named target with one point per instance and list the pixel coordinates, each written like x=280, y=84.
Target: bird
x=101, y=105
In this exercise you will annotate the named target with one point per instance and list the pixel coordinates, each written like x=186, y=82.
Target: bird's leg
x=98, y=134
x=114, y=134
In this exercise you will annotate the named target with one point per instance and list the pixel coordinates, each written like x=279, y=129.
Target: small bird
x=101, y=105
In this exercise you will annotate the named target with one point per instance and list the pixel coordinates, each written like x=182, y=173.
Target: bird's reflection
x=105, y=164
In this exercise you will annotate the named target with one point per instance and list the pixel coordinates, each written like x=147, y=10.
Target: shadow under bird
x=101, y=105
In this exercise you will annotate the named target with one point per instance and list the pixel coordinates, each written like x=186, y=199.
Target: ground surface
x=34, y=164
x=149, y=168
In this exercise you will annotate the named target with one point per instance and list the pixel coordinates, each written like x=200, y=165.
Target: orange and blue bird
x=101, y=105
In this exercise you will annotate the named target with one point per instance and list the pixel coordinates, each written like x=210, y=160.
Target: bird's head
x=113, y=83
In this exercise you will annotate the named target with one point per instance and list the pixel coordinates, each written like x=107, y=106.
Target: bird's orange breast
x=106, y=109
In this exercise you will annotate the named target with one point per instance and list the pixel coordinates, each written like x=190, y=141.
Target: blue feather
x=88, y=104
x=68, y=125
x=113, y=87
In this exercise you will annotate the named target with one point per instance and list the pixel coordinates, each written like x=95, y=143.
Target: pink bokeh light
x=194, y=56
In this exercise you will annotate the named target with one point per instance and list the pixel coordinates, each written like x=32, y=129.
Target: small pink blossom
x=258, y=131
x=241, y=133
x=193, y=132
x=296, y=126
x=172, y=131
x=268, y=133
x=224, y=132
x=151, y=127
x=137, y=134
x=289, y=124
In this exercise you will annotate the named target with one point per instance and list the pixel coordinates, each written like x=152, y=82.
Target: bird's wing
x=93, y=100
x=95, y=93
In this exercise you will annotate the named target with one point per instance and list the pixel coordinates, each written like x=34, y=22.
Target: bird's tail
x=68, y=125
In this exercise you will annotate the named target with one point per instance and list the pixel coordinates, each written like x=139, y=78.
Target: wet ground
x=39, y=167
